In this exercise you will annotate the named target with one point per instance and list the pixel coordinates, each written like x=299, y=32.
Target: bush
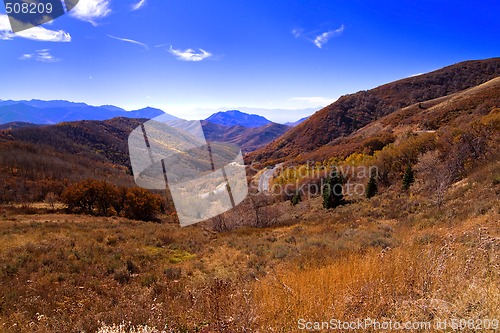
x=101, y=198
x=90, y=196
x=140, y=204
x=408, y=178
x=173, y=273
x=51, y=199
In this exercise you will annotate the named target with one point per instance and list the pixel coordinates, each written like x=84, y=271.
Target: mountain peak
x=237, y=118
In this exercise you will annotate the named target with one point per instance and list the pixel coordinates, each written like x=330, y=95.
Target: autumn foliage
x=98, y=197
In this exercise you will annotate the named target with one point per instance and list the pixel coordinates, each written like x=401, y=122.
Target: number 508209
x=28, y=8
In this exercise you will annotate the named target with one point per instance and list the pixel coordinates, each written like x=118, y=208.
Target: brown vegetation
x=352, y=112
x=95, y=197
x=424, y=249
x=78, y=273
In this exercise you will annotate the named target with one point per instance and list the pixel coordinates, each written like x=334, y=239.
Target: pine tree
x=332, y=191
x=296, y=198
x=371, y=187
x=408, y=178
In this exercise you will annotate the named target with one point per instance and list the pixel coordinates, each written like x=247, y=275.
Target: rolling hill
x=352, y=112
x=35, y=160
x=249, y=139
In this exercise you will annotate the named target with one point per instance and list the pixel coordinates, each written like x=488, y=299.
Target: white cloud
x=36, y=33
x=129, y=41
x=41, y=56
x=314, y=100
x=91, y=10
x=322, y=39
x=418, y=74
x=297, y=32
x=139, y=5
x=190, y=54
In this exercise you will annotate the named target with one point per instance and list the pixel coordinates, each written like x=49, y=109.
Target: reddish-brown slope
x=354, y=111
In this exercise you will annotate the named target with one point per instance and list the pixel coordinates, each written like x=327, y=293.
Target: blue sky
x=192, y=57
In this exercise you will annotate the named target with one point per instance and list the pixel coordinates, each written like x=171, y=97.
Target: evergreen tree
x=408, y=178
x=332, y=191
x=296, y=198
x=371, y=187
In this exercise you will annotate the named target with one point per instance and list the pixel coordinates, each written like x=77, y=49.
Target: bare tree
x=436, y=176
x=51, y=199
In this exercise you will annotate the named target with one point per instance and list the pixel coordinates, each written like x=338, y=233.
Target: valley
x=418, y=240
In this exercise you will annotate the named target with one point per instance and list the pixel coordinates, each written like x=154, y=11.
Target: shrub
x=81, y=196
x=173, y=273
x=140, y=204
x=106, y=195
x=90, y=196
x=51, y=199
x=408, y=178
x=102, y=198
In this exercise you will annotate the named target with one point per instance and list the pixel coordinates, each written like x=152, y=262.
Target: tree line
x=98, y=197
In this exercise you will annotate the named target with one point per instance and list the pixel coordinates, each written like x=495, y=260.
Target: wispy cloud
x=36, y=33
x=129, y=41
x=297, y=32
x=323, y=38
x=41, y=56
x=418, y=74
x=91, y=10
x=316, y=100
x=139, y=5
x=190, y=54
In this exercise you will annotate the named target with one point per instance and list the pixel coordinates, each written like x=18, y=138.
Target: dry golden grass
x=445, y=279
x=392, y=257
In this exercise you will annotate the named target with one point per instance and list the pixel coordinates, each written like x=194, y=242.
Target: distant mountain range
x=295, y=123
x=249, y=131
x=237, y=118
x=53, y=112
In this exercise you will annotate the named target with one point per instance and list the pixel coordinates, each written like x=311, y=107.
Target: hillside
x=36, y=160
x=249, y=139
x=351, y=112
x=453, y=111
x=15, y=124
